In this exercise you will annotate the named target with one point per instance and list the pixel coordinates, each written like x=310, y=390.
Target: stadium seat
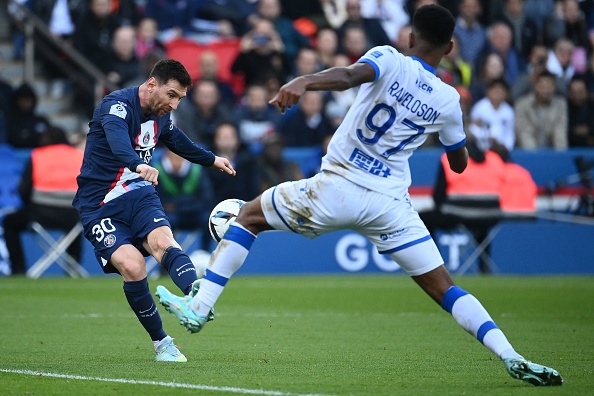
x=188, y=53
x=55, y=252
x=12, y=169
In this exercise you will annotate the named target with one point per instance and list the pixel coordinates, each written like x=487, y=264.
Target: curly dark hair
x=434, y=24
x=168, y=69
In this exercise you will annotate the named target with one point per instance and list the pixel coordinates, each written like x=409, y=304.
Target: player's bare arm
x=148, y=173
x=458, y=159
x=333, y=79
x=223, y=165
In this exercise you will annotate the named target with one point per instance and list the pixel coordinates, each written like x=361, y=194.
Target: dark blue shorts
x=126, y=220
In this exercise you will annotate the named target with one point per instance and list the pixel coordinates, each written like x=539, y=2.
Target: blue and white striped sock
x=225, y=261
x=472, y=316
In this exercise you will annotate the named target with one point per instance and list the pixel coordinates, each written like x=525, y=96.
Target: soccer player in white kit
x=364, y=179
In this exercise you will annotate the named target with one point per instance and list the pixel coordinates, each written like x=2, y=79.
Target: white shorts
x=328, y=202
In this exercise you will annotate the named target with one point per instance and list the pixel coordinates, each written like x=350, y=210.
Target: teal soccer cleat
x=180, y=308
x=166, y=351
x=533, y=373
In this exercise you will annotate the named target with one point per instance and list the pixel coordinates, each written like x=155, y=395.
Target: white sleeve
x=452, y=135
x=382, y=58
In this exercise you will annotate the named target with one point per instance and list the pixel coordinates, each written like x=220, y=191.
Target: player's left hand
x=223, y=165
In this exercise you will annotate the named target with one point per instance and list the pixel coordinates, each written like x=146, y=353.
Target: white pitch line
x=156, y=383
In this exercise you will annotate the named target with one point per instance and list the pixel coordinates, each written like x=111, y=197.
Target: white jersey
x=389, y=119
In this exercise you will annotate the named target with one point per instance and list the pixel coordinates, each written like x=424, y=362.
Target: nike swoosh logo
x=143, y=312
x=156, y=220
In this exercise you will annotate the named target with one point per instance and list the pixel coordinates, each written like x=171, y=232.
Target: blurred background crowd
x=524, y=70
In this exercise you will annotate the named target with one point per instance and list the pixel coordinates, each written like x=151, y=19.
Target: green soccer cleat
x=533, y=373
x=180, y=308
x=166, y=351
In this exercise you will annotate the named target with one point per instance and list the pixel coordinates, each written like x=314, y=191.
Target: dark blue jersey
x=120, y=138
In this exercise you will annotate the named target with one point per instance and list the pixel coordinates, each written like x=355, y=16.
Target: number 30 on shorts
x=103, y=227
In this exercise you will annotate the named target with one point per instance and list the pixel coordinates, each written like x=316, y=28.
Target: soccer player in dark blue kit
x=119, y=208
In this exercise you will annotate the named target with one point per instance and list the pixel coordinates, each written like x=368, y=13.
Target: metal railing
x=77, y=66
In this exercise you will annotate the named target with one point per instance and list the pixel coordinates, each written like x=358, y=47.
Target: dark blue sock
x=142, y=303
x=180, y=268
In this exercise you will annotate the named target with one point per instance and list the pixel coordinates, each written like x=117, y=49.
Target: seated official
x=471, y=198
x=47, y=188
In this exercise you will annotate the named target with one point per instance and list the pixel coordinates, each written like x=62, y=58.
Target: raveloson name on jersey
x=408, y=101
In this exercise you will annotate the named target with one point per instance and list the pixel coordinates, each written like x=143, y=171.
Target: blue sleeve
x=116, y=132
x=180, y=144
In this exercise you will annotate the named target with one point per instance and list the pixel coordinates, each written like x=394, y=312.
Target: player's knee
x=132, y=269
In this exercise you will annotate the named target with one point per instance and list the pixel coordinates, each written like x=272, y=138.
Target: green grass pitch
x=288, y=335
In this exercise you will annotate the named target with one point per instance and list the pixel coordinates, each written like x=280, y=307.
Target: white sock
x=224, y=262
x=474, y=318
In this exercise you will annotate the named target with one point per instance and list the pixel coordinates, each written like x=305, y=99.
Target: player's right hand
x=289, y=94
x=148, y=173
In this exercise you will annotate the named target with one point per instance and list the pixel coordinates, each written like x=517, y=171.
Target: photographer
x=537, y=63
x=262, y=54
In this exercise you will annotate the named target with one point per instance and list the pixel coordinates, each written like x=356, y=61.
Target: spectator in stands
x=146, y=65
x=499, y=41
x=255, y=117
x=173, y=17
x=292, y=40
x=525, y=30
x=308, y=125
x=401, y=42
x=208, y=64
x=307, y=62
x=309, y=9
x=537, y=63
x=559, y=62
x=24, y=125
x=541, y=116
x=334, y=12
x=187, y=194
x=326, y=46
x=569, y=22
x=245, y=184
x=146, y=38
x=589, y=75
x=354, y=43
x=372, y=27
x=123, y=65
x=453, y=69
x=94, y=34
x=492, y=118
x=390, y=13
x=273, y=167
x=61, y=18
x=93, y=38
x=226, y=17
x=539, y=10
x=199, y=116
x=580, y=118
x=47, y=188
x=261, y=53
x=492, y=68
x=470, y=32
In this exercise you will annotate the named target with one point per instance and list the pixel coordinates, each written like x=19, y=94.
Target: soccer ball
x=222, y=216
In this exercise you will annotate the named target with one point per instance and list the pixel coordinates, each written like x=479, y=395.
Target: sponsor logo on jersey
x=393, y=234
x=118, y=109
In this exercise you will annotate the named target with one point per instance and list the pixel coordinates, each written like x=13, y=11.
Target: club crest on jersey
x=146, y=138
x=109, y=240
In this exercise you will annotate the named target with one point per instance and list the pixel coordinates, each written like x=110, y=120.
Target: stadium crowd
x=524, y=70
